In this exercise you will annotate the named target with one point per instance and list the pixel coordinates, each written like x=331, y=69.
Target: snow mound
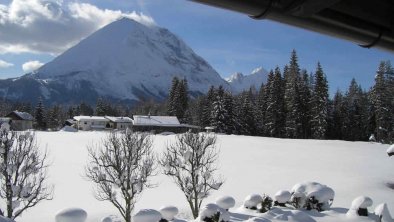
x=167, y=133
x=390, y=150
x=282, y=196
x=208, y=211
x=383, y=212
x=168, y=212
x=69, y=129
x=224, y=215
x=147, y=215
x=107, y=219
x=71, y=215
x=252, y=200
x=322, y=193
x=361, y=202
x=225, y=202
x=359, y=206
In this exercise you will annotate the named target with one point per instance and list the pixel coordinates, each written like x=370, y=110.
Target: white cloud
x=42, y=26
x=30, y=66
x=4, y=64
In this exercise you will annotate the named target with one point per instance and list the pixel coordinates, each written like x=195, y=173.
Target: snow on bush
x=252, y=201
x=383, y=213
x=282, y=197
x=312, y=195
x=390, y=150
x=359, y=206
x=168, y=212
x=225, y=202
x=71, y=215
x=213, y=213
x=266, y=204
x=147, y=215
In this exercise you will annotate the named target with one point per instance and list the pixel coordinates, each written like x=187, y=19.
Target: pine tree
x=246, y=116
x=39, y=115
x=336, y=117
x=178, y=98
x=293, y=124
x=54, y=117
x=219, y=112
x=100, y=107
x=305, y=100
x=207, y=105
x=261, y=104
x=275, y=105
x=319, y=105
x=382, y=99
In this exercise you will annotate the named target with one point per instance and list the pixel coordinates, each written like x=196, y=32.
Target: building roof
x=22, y=115
x=155, y=121
x=122, y=119
x=91, y=118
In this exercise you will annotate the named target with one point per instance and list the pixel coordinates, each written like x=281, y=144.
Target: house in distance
x=19, y=120
x=156, y=124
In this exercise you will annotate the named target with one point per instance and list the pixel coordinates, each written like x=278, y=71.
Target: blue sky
x=229, y=41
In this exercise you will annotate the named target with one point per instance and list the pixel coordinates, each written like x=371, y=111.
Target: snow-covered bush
x=190, y=161
x=147, y=215
x=225, y=202
x=71, y=215
x=252, y=201
x=281, y=198
x=213, y=213
x=312, y=195
x=22, y=172
x=390, y=150
x=120, y=166
x=168, y=213
x=360, y=206
x=266, y=204
x=383, y=213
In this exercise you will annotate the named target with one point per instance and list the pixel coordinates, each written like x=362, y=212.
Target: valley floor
x=248, y=164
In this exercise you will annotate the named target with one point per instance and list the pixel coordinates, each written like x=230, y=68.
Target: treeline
x=296, y=104
x=292, y=104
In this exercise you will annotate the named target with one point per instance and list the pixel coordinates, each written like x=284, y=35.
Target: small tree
x=22, y=172
x=190, y=161
x=122, y=163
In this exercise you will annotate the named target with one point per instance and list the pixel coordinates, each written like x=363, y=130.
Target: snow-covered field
x=249, y=165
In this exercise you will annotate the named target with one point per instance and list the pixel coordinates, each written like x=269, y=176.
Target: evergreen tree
x=54, y=117
x=293, y=124
x=336, y=116
x=86, y=110
x=261, y=104
x=274, y=114
x=382, y=99
x=178, y=98
x=305, y=100
x=356, y=115
x=246, y=116
x=222, y=113
x=100, y=107
x=39, y=115
x=319, y=104
x=207, y=104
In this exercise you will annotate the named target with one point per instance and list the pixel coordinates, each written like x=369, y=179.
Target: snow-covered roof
x=155, y=121
x=91, y=118
x=122, y=119
x=23, y=115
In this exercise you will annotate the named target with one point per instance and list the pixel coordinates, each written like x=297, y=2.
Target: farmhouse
x=20, y=120
x=160, y=124
x=119, y=123
x=92, y=123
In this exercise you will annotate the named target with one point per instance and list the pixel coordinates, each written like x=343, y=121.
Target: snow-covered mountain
x=125, y=61
x=240, y=82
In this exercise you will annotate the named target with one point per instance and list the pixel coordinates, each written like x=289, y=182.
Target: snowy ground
x=249, y=165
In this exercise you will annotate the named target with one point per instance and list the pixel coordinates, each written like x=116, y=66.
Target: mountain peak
x=129, y=60
x=240, y=82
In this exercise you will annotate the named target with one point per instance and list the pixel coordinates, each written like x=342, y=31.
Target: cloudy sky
x=33, y=32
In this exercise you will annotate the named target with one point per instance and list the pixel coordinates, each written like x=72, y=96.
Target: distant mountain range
x=125, y=61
